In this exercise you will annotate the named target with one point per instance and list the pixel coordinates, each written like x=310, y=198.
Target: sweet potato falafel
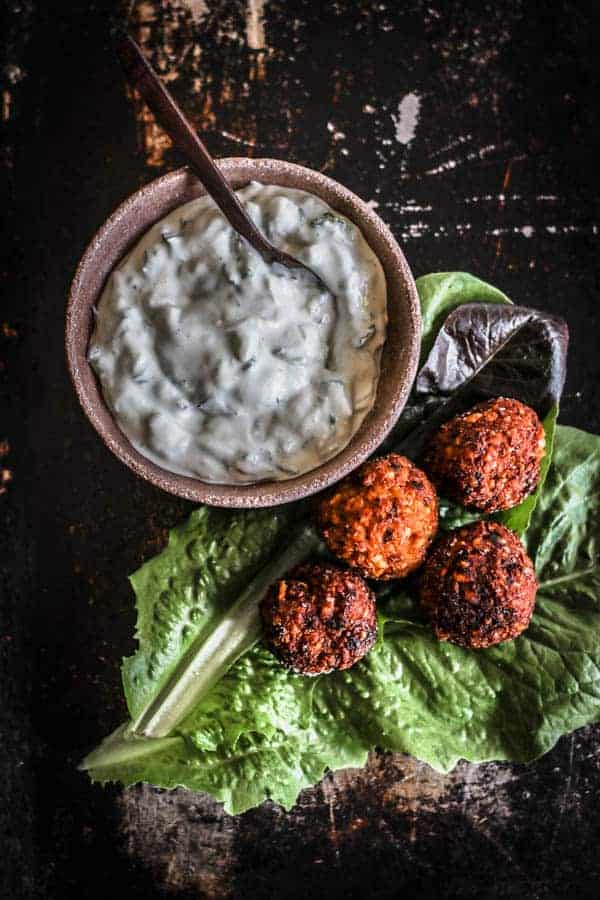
x=489, y=457
x=319, y=618
x=382, y=518
x=478, y=586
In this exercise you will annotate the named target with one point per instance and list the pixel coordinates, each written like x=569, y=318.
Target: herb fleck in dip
x=219, y=366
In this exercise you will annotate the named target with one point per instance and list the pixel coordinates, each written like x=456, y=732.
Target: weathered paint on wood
x=471, y=128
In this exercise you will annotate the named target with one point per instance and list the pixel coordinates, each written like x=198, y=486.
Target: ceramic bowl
x=154, y=201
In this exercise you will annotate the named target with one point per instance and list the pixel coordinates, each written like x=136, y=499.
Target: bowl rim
x=376, y=425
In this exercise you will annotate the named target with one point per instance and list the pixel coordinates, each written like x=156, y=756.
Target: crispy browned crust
x=382, y=519
x=489, y=457
x=478, y=586
x=319, y=618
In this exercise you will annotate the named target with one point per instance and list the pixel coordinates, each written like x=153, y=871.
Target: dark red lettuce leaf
x=482, y=351
x=490, y=350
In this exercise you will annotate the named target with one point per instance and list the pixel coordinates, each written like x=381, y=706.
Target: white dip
x=219, y=366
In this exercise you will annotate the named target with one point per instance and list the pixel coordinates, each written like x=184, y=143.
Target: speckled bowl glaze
x=154, y=201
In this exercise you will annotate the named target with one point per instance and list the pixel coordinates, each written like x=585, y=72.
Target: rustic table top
x=473, y=129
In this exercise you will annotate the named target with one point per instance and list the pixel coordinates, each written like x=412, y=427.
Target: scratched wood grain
x=472, y=129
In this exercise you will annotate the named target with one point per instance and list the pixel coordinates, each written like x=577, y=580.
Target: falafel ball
x=382, y=518
x=489, y=457
x=478, y=586
x=319, y=618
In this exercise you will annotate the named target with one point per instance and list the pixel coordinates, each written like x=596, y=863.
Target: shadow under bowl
x=150, y=204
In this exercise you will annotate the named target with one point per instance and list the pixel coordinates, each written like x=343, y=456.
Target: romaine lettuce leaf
x=441, y=292
x=264, y=732
x=182, y=592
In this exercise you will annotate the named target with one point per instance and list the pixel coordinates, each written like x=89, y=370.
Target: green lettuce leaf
x=182, y=592
x=441, y=292
x=264, y=732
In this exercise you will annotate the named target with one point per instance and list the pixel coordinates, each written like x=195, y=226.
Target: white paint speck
x=496, y=197
x=255, y=25
x=443, y=167
x=481, y=153
x=452, y=145
x=372, y=204
x=526, y=230
x=14, y=73
x=367, y=108
x=412, y=207
x=407, y=119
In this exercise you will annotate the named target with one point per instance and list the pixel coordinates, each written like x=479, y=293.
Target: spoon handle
x=141, y=75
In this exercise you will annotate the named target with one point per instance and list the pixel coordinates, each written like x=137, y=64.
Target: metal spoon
x=140, y=74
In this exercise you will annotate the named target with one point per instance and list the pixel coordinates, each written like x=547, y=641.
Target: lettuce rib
x=211, y=655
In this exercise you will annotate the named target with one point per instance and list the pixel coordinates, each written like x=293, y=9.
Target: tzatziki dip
x=219, y=366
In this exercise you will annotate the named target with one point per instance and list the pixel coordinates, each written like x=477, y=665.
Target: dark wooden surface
x=489, y=166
